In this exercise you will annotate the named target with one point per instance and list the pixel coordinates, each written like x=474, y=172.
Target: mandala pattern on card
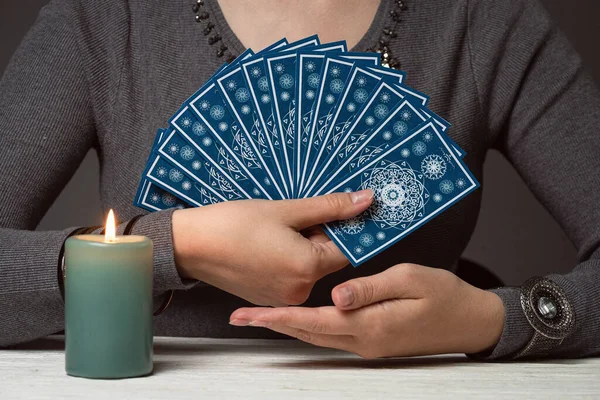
x=173, y=148
x=313, y=80
x=231, y=85
x=335, y=71
x=186, y=122
x=366, y=239
x=381, y=111
x=168, y=200
x=419, y=148
x=186, y=185
x=336, y=86
x=361, y=81
x=400, y=128
x=187, y=153
x=399, y=195
x=265, y=98
x=446, y=186
x=217, y=112
x=198, y=128
x=433, y=166
x=352, y=226
x=242, y=95
x=263, y=84
x=279, y=68
x=256, y=72
x=406, y=115
x=286, y=81
x=204, y=105
x=361, y=95
x=175, y=175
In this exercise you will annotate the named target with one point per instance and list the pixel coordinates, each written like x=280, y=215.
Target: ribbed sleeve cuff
x=158, y=227
x=516, y=332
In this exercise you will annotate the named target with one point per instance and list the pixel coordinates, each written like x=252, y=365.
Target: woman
x=105, y=74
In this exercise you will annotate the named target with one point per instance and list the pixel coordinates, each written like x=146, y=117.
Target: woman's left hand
x=407, y=310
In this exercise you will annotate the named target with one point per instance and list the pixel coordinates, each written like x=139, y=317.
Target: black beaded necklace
x=381, y=47
x=209, y=29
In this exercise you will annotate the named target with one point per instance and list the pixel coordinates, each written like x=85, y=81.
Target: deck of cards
x=305, y=119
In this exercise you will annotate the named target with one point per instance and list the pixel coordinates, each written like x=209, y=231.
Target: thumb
x=304, y=213
x=361, y=292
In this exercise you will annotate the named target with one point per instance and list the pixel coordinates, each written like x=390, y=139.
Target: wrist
x=182, y=247
x=489, y=322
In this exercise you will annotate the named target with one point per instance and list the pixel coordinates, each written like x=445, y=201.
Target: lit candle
x=108, y=305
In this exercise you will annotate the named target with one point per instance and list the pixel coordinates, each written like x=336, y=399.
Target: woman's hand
x=407, y=310
x=267, y=252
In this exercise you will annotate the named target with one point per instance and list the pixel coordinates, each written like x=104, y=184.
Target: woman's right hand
x=267, y=252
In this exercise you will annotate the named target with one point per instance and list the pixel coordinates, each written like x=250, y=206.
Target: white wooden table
x=264, y=369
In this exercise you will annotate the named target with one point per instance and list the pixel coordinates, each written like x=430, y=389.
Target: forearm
x=582, y=288
x=32, y=306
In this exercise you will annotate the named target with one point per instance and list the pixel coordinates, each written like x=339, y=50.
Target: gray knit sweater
x=106, y=74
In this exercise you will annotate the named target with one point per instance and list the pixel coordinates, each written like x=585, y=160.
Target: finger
x=331, y=258
x=304, y=213
x=394, y=283
x=319, y=320
x=340, y=342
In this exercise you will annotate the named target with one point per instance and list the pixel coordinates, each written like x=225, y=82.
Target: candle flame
x=110, y=232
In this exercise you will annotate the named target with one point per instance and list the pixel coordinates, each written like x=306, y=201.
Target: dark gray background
x=515, y=237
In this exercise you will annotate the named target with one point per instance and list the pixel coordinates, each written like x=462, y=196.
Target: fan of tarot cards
x=306, y=119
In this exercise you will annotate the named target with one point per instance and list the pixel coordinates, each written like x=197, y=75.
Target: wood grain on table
x=202, y=368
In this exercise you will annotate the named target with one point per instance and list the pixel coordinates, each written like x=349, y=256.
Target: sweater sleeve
x=543, y=112
x=46, y=128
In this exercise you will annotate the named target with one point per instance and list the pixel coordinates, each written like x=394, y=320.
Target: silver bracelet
x=549, y=312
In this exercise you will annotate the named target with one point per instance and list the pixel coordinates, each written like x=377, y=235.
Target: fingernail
x=345, y=297
x=239, y=322
x=260, y=324
x=361, y=196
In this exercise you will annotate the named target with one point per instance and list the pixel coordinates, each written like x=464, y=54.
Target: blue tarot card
x=154, y=198
x=151, y=197
x=364, y=59
x=354, y=96
x=383, y=99
x=307, y=63
x=213, y=112
x=389, y=74
x=336, y=71
x=209, y=164
x=278, y=45
x=258, y=84
x=402, y=121
x=419, y=98
x=281, y=70
x=175, y=181
x=415, y=96
x=237, y=95
x=443, y=126
x=309, y=69
x=413, y=182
